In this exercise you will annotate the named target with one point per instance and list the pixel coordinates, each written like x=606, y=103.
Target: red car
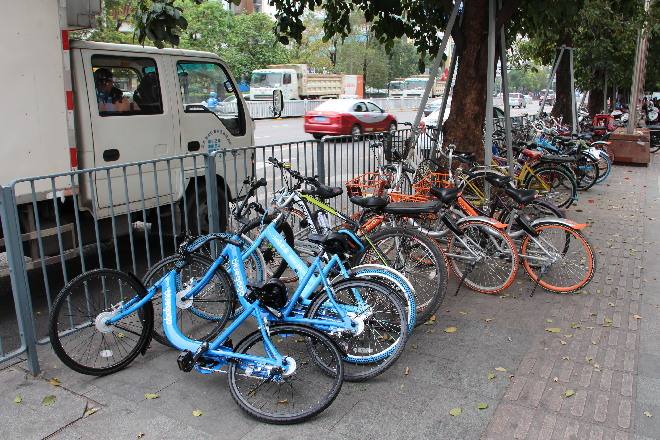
x=347, y=116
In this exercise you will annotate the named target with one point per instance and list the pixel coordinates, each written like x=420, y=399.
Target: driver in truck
x=109, y=97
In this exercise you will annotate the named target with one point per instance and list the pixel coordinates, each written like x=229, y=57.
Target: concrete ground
x=607, y=352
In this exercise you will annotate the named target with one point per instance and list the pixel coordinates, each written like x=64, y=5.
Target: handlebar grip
x=273, y=160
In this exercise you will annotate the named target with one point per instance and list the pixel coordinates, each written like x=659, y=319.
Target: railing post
x=18, y=275
x=320, y=160
x=212, y=192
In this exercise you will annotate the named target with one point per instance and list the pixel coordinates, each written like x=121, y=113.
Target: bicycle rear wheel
x=559, y=258
x=287, y=397
x=417, y=257
x=483, y=256
x=555, y=184
x=78, y=333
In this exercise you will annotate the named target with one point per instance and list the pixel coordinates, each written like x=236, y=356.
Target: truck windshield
x=396, y=85
x=266, y=79
x=412, y=84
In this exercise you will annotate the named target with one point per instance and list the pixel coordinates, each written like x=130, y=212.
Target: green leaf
x=455, y=412
x=491, y=376
x=48, y=400
x=197, y=413
x=90, y=411
x=18, y=399
x=482, y=405
x=151, y=396
x=450, y=330
x=501, y=369
x=569, y=393
x=55, y=382
x=553, y=330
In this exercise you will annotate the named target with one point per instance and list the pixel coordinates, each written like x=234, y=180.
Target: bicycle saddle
x=370, y=202
x=337, y=242
x=521, y=196
x=446, y=195
x=498, y=181
x=532, y=154
x=324, y=191
x=413, y=208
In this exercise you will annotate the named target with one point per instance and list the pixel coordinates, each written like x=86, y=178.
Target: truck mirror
x=278, y=102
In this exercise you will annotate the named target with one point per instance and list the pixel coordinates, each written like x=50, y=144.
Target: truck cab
x=395, y=89
x=265, y=81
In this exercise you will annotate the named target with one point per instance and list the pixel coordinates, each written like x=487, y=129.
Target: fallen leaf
x=549, y=321
x=120, y=335
x=501, y=369
x=565, y=358
x=589, y=359
x=491, y=376
x=283, y=402
x=48, y=400
x=569, y=393
x=55, y=382
x=18, y=399
x=648, y=414
x=450, y=330
x=482, y=405
x=553, y=330
x=562, y=342
x=140, y=435
x=488, y=319
x=151, y=396
x=575, y=325
x=637, y=317
x=407, y=371
x=90, y=411
x=610, y=304
x=455, y=412
x=197, y=413
x=555, y=379
x=463, y=313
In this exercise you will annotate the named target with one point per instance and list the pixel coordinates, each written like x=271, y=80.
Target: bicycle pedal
x=185, y=361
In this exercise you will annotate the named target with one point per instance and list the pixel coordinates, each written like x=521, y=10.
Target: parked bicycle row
x=334, y=296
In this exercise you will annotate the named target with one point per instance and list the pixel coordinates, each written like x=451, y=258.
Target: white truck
x=414, y=86
x=395, y=89
x=56, y=118
x=295, y=82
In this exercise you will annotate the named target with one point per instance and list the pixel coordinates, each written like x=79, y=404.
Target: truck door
x=213, y=117
x=132, y=120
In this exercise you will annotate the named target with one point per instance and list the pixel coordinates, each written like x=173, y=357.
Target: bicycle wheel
x=209, y=310
x=382, y=339
x=483, y=256
x=560, y=256
x=78, y=333
x=604, y=166
x=586, y=171
x=474, y=191
x=287, y=397
x=275, y=265
x=403, y=185
x=417, y=257
x=555, y=184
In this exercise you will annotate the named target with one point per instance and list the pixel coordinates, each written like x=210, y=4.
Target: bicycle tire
x=360, y=368
x=534, y=210
x=565, y=232
x=428, y=296
x=196, y=265
x=145, y=322
x=586, y=171
x=307, y=334
x=568, y=181
x=604, y=166
x=509, y=256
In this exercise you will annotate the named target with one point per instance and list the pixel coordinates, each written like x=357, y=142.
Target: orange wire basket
x=398, y=197
x=367, y=184
x=423, y=186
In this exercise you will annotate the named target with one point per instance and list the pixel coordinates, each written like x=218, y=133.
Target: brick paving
x=607, y=352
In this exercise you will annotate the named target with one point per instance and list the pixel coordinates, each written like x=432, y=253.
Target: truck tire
x=318, y=136
x=192, y=209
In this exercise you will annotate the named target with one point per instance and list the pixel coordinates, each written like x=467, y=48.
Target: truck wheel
x=318, y=136
x=199, y=224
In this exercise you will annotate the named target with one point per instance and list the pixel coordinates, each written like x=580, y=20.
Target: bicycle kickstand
x=538, y=280
x=467, y=272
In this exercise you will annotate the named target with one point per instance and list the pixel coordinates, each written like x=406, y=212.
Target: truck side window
x=286, y=79
x=126, y=86
x=207, y=87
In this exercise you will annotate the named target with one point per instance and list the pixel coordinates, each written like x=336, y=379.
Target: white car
x=517, y=100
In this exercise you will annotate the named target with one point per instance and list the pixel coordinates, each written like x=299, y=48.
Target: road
x=276, y=131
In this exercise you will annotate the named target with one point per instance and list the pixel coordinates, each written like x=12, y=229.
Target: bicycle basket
x=367, y=184
x=423, y=186
x=396, y=147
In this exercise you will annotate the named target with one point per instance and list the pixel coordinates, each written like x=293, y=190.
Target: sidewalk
x=607, y=353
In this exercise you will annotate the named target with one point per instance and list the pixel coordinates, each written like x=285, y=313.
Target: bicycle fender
x=491, y=221
x=562, y=221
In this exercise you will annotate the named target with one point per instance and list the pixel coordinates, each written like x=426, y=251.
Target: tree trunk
x=562, y=107
x=595, y=104
x=465, y=124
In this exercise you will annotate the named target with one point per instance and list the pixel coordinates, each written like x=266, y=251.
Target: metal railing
x=129, y=216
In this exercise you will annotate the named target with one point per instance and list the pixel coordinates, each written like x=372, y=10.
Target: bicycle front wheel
x=483, y=256
x=78, y=333
x=292, y=396
x=559, y=258
x=555, y=184
x=417, y=257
